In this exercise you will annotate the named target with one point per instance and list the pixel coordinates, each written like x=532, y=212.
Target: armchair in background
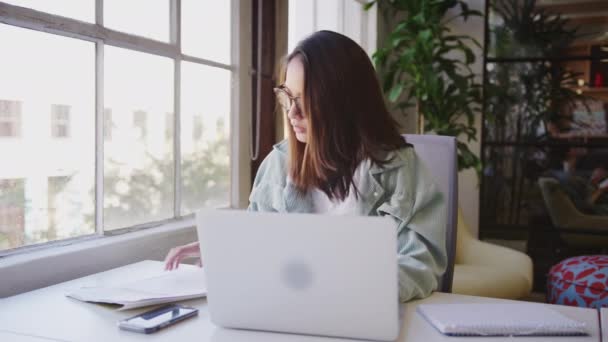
x=488, y=270
x=568, y=219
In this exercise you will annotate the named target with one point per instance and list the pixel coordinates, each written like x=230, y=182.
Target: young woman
x=344, y=155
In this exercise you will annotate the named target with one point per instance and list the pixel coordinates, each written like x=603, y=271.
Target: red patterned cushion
x=579, y=281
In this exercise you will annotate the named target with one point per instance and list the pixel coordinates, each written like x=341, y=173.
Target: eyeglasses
x=286, y=100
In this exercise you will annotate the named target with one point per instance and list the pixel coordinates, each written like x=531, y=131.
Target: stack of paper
x=183, y=283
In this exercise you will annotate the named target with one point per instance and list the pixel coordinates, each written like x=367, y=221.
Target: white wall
x=344, y=16
x=468, y=188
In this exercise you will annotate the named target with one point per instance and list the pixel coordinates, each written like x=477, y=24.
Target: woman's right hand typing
x=179, y=253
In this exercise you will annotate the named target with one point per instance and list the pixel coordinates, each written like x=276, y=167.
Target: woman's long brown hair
x=348, y=121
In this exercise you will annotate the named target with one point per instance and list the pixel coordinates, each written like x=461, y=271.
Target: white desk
x=11, y=337
x=604, y=323
x=46, y=314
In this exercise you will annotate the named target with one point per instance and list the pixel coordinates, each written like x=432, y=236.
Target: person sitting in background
x=590, y=196
x=599, y=191
x=344, y=156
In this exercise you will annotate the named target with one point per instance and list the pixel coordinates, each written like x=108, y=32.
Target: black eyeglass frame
x=292, y=99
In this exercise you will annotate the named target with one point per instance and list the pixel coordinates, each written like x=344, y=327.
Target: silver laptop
x=301, y=273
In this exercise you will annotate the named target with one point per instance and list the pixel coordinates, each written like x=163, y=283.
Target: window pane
x=146, y=18
x=40, y=71
x=205, y=122
x=206, y=29
x=138, y=171
x=81, y=9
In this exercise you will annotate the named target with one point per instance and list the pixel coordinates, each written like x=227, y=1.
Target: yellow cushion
x=489, y=281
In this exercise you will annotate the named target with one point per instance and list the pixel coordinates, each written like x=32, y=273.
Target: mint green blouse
x=402, y=189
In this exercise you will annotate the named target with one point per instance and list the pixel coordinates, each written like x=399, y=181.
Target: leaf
x=369, y=5
x=395, y=92
x=406, y=105
x=425, y=35
x=464, y=7
x=475, y=13
x=388, y=80
x=470, y=56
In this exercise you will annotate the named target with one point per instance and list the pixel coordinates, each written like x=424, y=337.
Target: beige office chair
x=488, y=270
x=439, y=155
x=474, y=267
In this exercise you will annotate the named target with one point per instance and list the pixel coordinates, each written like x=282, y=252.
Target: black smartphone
x=154, y=320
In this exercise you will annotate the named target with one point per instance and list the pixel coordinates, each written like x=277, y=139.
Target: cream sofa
x=488, y=270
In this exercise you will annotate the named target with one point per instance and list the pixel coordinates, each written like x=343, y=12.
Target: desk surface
x=46, y=314
x=604, y=323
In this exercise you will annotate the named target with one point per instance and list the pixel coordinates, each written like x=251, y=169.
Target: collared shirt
x=401, y=188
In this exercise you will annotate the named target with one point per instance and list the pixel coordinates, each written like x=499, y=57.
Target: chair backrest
x=438, y=153
x=559, y=205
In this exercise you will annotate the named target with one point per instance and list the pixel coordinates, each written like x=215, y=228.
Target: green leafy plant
x=528, y=30
x=424, y=65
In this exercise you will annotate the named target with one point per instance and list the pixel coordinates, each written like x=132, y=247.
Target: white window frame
x=239, y=67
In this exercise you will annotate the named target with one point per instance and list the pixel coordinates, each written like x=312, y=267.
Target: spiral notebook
x=521, y=319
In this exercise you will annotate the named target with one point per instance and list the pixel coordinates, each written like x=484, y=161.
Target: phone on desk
x=154, y=320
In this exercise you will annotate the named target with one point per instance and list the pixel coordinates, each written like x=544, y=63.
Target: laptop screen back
x=301, y=273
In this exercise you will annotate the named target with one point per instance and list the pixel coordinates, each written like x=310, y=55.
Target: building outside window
x=59, y=207
x=140, y=122
x=60, y=121
x=197, y=127
x=10, y=119
x=169, y=126
x=12, y=212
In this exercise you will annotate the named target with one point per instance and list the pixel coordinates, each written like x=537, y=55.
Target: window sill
x=26, y=271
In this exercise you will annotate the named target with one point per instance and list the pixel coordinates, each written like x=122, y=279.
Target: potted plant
x=420, y=67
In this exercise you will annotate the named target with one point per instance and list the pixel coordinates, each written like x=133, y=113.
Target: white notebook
x=521, y=319
x=187, y=282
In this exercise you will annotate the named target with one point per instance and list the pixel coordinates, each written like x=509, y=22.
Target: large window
x=139, y=126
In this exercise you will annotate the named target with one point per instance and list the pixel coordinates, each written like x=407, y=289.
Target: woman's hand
x=179, y=253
